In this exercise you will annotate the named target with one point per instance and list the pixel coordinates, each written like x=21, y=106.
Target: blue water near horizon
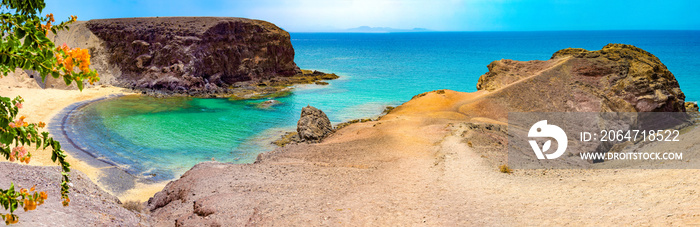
x=166, y=137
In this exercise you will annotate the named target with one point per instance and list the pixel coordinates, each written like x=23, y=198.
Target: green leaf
x=80, y=84
x=20, y=33
x=67, y=80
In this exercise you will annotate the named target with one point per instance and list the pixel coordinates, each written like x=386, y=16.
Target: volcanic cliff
x=183, y=53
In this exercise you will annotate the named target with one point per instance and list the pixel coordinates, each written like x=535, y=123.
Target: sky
x=436, y=15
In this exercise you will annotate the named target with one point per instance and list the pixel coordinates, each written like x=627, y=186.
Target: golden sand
x=41, y=105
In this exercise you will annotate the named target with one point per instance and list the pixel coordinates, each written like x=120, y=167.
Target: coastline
x=54, y=107
x=111, y=177
x=51, y=106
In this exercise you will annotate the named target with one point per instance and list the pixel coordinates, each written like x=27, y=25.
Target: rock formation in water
x=185, y=53
x=313, y=125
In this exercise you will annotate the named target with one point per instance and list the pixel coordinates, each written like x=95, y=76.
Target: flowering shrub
x=25, y=44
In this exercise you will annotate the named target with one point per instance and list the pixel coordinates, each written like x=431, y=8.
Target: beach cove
x=439, y=157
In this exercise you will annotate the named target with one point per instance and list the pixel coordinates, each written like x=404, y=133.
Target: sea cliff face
x=183, y=53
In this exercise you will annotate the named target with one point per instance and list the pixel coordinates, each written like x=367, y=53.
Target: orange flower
x=59, y=59
x=47, y=26
x=29, y=205
x=68, y=63
x=25, y=205
x=43, y=195
x=41, y=124
x=18, y=123
x=10, y=219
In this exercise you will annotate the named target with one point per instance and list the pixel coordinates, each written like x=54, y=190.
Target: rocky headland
x=192, y=56
x=618, y=78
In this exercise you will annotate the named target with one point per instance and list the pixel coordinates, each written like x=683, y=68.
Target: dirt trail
x=413, y=168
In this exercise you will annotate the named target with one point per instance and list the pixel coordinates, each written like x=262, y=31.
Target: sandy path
x=448, y=183
x=572, y=197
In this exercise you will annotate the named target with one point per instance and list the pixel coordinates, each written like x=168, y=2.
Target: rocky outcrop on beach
x=89, y=206
x=313, y=125
x=617, y=78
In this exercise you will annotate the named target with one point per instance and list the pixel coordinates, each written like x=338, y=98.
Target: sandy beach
x=42, y=105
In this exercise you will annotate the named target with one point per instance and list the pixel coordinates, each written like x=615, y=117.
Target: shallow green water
x=166, y=137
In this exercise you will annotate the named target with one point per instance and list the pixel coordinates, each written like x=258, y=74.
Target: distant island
x=384, y=29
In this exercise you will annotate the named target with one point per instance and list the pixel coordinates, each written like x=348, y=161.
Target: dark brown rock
x=172, y=52
x=313, y=125
x=176, y=53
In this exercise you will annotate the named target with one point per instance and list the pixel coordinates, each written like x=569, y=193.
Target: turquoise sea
x=159, y=139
